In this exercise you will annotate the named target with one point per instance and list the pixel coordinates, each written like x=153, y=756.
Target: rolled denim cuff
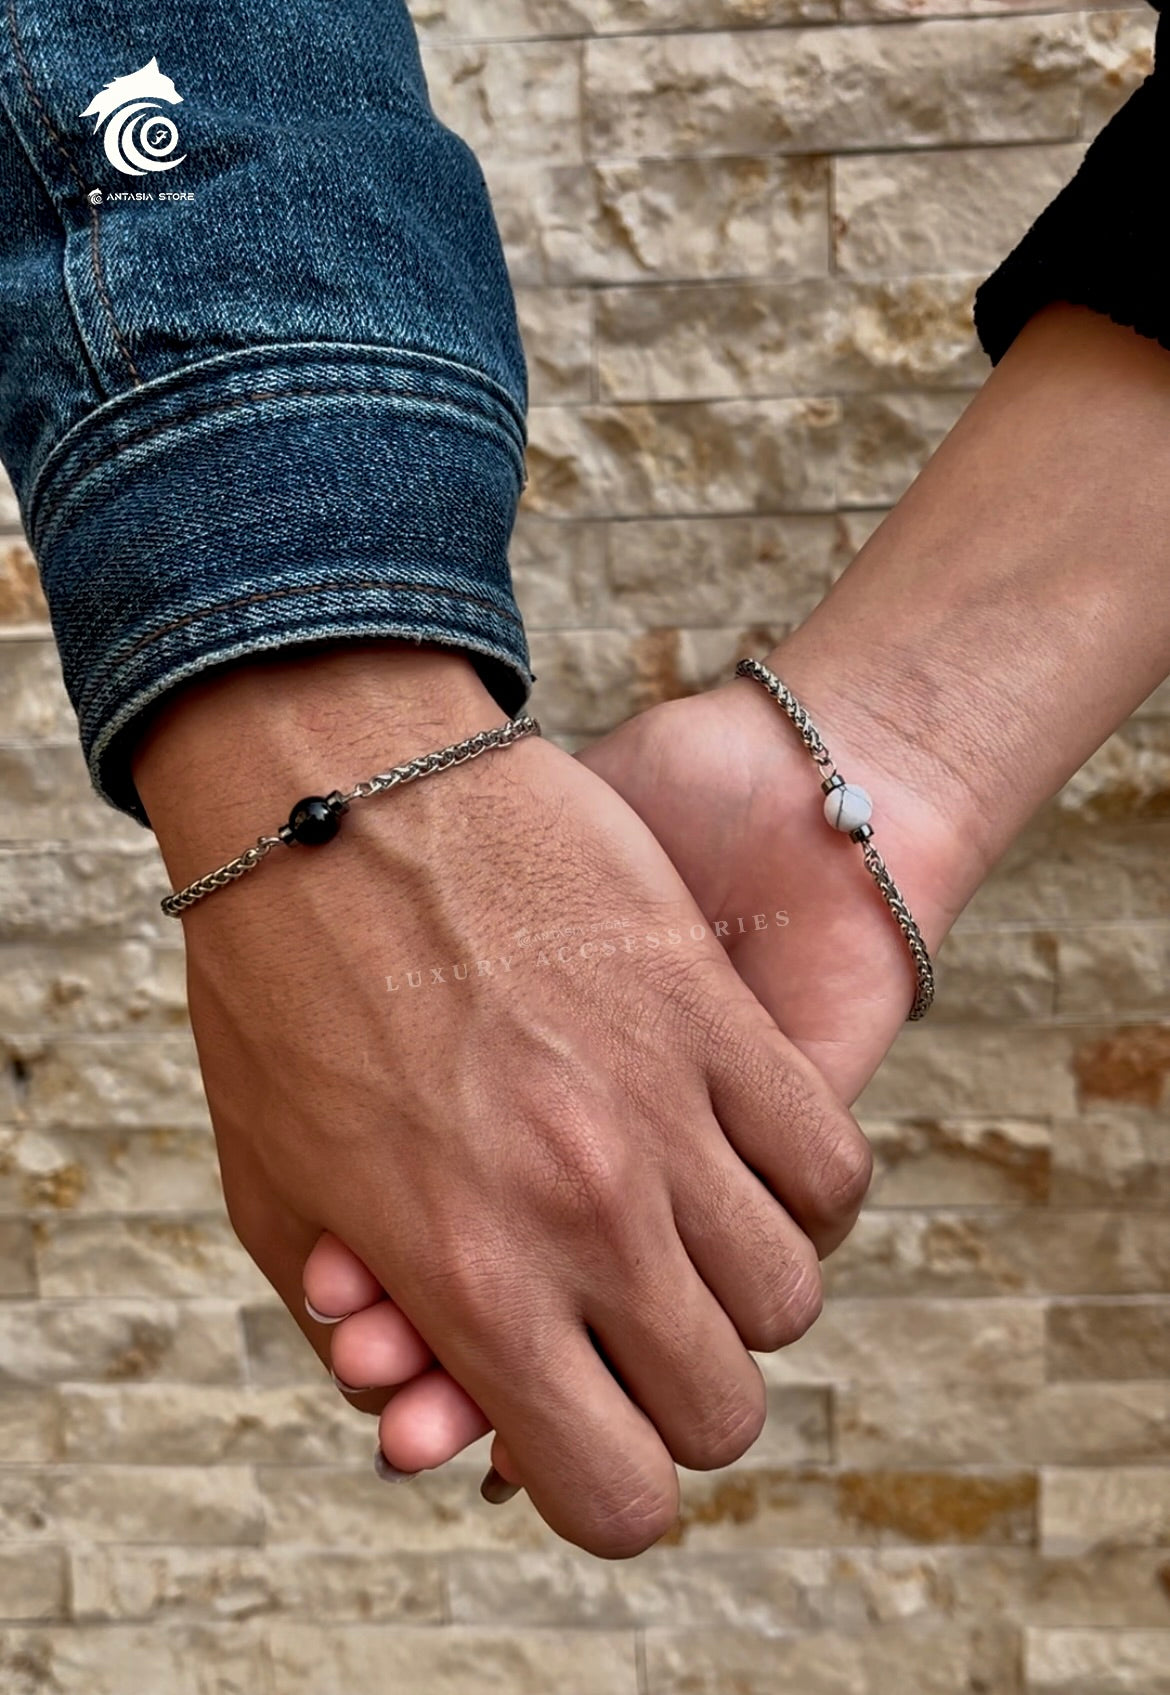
x=269, y=497
x=1100, y=242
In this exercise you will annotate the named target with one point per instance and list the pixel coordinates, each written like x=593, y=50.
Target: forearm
x=1014, y=607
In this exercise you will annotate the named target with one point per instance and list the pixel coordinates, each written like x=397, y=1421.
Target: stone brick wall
x=745, y=236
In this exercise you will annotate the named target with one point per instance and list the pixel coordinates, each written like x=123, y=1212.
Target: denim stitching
x=208, y=368
x=248, y=399
x=120, y=655
x=94, y=220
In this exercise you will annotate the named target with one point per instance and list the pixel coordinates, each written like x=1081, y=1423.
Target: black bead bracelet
x=317, y=818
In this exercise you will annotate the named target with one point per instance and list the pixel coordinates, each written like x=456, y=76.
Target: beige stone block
x=91, y=986
x=510, y=98
x=33, y=1581
x=277, y=1352
x=49, y=798
x=558, y=572
x=762, y=1589
x=1125, y=967
x=1120, y=46
x=588, y=681
x=1128, y=778
x=189, y=1585
x=958, y=211
x=720, y=340
x=18, y=1274
x=21, y=600
x=1060, y=871
x=695, y=457
x=918, y=1341
x=80, y=892
x=866, y=9
x=1157, y=704
x=109, y=1171
x=946, y=1162
x=152, y=1080
x=30, y=1426
x=308, y=1660
x=831, y=90
x=1019, y=1071
x=960, y=1424
x=662, y=573
x=118, y=1341
x=759, y=1508
x=476, y=19
x=1112, y=1587
x=1107, y=1507
x=1127, y=1163
x=663, y=220
x=115, y=1660
x=1126, y=1067
x=556, y=326
x=437, y=1511
x=887, y=438
x=999, y=974
x=986, y=1251
x=185, y=1424
x=941, y=1662
x=1097, y=1662
x=798, y=1429
x=33, y=702
x=171, y=1258
x=1120, y=1340
x=702, y=572
x=9, y=507
x=141, y=1503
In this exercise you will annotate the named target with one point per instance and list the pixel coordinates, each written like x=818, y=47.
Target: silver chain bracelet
x=317, y=818
x=848, y=808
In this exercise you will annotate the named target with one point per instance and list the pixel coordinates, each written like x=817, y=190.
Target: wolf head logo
x=148, y=83
x=131, y=97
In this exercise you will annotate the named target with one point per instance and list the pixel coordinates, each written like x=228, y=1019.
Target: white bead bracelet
x=849, y=808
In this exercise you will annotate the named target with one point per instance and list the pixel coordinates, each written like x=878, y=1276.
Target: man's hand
x=730, y=793
x=591, y=1183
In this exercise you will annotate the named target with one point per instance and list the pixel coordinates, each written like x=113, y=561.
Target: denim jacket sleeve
x=1101, y=241
x=261, y=381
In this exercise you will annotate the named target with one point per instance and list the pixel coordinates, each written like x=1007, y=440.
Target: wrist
x=925, y=820
x=227, y=755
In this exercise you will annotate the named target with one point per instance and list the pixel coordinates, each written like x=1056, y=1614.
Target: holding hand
x=593, y=1190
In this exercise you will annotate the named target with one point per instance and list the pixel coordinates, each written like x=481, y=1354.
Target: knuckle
x=845, y=1175
x=626, y=1530
x=463, y=1284
x=587, y=1178
x=728, y=1431
x=790, y=1310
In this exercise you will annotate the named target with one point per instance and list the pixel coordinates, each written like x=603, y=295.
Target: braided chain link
x=874, y=863
x=425, y=765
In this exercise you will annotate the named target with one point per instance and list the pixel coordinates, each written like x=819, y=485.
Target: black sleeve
x=1103, y=241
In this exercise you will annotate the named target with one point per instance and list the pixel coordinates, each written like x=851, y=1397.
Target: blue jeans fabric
x=291, y=407
x=289, y=404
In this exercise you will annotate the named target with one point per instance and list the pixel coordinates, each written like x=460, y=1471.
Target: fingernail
x=496, y=1488
x=348, y=1388
x=389, y=1473
x=323, y=1317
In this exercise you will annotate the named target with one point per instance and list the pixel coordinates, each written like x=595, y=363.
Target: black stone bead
x=313, y=821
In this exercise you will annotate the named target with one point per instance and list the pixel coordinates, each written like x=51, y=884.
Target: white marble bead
x=848, y=807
